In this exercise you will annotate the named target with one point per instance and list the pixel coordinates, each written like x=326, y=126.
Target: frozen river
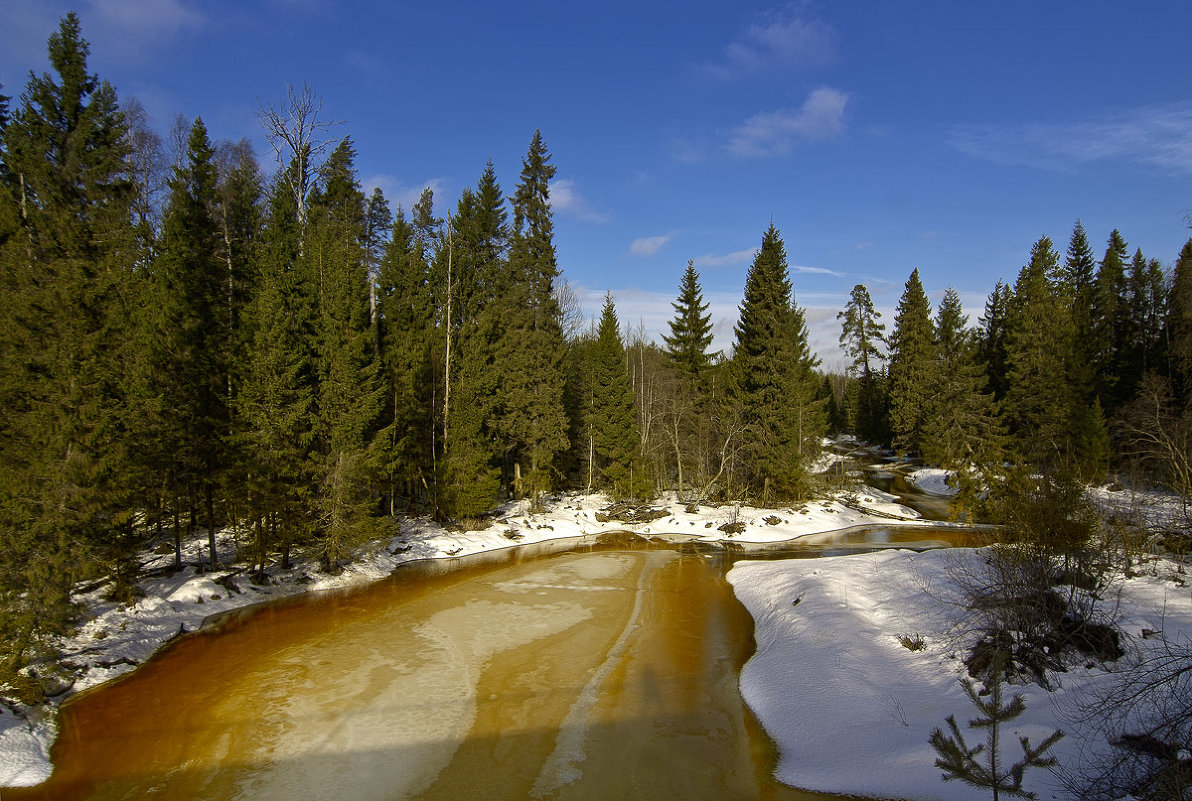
x=581, y=676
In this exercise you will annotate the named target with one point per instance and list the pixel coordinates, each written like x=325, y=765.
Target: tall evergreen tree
x=275, y=408
x=961, y=426
x=992, y=339
x=1179, y=324
x=914, y=370
x=772, y=379
x=66, y=273
x=1079, y=272
x=530, y=409
x=1038, y=402
x=610, y=423
x=1146, y=311
x=407, y=320
x=1078, y=287
x=688, y=387
x=1050, y=423
x=1108, y=330
x=1077, y=291
x=470, y=476
x=861, y=337
x=378, y=221
x=348, y=388
x=239, y=217
x=191, y=333
x=690, y=330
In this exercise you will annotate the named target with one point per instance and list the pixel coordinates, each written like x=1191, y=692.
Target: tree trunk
x=447, y=348
x=678, y=462
x=177, y=537
x=591, y=454
x=210, y=502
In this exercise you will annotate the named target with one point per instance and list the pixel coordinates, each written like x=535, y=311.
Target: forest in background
x=191, y=343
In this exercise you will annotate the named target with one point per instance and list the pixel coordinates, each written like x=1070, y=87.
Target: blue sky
x=878, y=136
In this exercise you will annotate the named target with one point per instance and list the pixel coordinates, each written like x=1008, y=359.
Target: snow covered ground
x=116, y=638
x=933, y=480
x=851, y=709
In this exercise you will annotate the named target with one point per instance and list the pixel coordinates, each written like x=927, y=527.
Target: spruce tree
x=190, y=339
x=961, y=426
x=470, y=474
x=773, y=382
x=1077, y=287
x=992, y=339
x=239, y=217
x=378, y=220
x=1146, y=305
x=1108, y=330
x=530, y=411
x=348, y=388
x=1079, y=273
x=981, y=765
x=690, y=330
x=274, y=409
x=1179, y=323
x=65, y=268
x=1051, y=424
x=861, y=337
x=914, y=368
x=610, y=422
x=688, y=418
x=407, y=320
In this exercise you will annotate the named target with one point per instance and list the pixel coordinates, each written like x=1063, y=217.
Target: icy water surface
x=582, y=676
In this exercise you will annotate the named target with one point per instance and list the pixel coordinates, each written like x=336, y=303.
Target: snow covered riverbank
x=116, y=638
x=851, y=709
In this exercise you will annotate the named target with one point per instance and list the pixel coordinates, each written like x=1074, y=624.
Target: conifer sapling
x=958, y=761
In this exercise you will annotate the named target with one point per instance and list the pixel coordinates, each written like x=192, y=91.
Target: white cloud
x=798, y=268
x=652, y=312
x=787, y=39
x=775, y=133
x=1157, y=136
x=734, y=259
x=147, y=19
x=649, y=245
x=399, y=193
x=127, y=31
x=566, y=199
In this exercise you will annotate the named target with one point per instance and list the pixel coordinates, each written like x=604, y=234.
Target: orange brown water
x=583, y=676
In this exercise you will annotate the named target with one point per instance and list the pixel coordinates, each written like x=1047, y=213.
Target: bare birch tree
x=297, y=134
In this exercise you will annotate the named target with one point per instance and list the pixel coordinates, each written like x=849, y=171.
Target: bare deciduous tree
x=1136, y=731
x=1158, y=437
x=298, y=136
x=570, y=310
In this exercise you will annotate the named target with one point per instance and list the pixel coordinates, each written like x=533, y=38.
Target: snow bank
x=851, y=709
x=25, y=747
x=115, y=639
x=933, y=480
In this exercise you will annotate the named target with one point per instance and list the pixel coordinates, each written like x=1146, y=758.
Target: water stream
x=586, y=675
